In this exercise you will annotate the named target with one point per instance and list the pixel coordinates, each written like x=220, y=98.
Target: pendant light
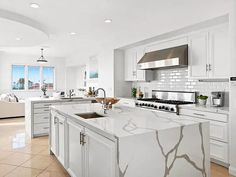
x=41, y=58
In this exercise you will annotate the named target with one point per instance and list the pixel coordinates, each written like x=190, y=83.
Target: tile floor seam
x=10, y=171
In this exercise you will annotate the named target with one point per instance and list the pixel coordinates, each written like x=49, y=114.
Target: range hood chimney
x=166, y=58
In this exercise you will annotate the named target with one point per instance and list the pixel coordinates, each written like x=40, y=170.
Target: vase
x=202, y=102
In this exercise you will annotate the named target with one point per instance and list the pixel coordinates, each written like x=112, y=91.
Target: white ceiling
x=133, y=20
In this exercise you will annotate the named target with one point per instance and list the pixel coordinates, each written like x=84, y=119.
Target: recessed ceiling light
x=18, y=38
x=72, y=33
x=34, y=5
x=108, y=20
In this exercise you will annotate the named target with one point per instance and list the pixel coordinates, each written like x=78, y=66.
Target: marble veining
x=184, y=156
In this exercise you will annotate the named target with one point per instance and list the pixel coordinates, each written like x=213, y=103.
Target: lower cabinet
x=53, y=133
x=75, y=149
x=219, y=151
x=99, y=155
x=61, y=139
x=82, y=152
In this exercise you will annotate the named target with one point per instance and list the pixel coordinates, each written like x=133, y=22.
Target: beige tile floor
x=21, y=156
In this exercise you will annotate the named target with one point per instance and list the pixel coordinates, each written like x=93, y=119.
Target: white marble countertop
x=207, y=108
x=52, y=99
x=124, y=121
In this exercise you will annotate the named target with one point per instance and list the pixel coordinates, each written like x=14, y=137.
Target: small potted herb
x=202, y=99
x=133, y=92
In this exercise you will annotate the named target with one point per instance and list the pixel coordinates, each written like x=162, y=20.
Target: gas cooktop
x=167, y=100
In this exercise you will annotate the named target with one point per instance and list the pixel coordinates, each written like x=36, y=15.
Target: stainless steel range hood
x=166, y=58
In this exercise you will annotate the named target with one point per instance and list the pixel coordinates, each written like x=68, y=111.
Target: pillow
x=4, y=97
x=9, y=97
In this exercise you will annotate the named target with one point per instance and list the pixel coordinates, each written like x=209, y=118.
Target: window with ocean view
x=48, y=77
x=33, y=77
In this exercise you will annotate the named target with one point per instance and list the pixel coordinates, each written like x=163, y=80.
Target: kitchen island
x=37, y=113
x=128, y=142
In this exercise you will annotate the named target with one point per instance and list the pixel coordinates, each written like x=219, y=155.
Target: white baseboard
x=232, y=170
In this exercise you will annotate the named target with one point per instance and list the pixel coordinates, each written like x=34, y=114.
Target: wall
x=105, y=69
x=177, y=80
x=8, y=59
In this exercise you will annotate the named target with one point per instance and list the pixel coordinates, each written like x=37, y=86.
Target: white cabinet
x=132, y=57
x=219, y=151
x=198, y=55
x=219, y=52
x=38, y=113
x=81, y=151
x=53, y=133
x=208, y=52
x=100, y=155
x=75, y=149
x=61, y=139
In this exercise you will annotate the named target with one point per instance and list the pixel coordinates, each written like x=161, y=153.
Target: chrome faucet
x=105, y=106
x=71, y=91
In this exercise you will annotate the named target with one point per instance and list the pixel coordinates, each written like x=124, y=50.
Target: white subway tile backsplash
x=177, y=80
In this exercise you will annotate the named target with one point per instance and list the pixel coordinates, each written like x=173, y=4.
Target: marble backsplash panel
x=177, y=80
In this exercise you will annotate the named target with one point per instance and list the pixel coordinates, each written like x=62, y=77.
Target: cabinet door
x=219, y=151
x=130, y=56
x=219, y=52
x=140, y=74
x=75, y=150
x=100, y=155
x=198, y=55
x=54, y=134
x=61, y=139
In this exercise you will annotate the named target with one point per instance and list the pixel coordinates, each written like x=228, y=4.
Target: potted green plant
x=202, y=99
x=44, y=90
x=133, y=92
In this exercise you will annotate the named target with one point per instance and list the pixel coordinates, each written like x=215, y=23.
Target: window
x=33, y=77
x=48, y=77
x=18, y=77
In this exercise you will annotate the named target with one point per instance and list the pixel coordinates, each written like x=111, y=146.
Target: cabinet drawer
x=205, y=115
x=42, y=105
x=41, y=118
x=42, y=128
x=127, y=102
x=41, y=111
x=219, y=151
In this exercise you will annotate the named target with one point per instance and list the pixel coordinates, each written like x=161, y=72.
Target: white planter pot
x=202, y=102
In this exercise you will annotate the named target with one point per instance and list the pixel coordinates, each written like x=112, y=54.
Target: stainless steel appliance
x=217, y=99
x=168, y=101
x=166, y=58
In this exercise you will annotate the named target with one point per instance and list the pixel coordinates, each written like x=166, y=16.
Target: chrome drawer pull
x=45, y=118
x=61, y=123
x=45, y=128
x=197, y=114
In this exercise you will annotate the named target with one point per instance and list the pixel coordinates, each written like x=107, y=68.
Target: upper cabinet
x=198, y=55
x=132, y=57
x=219, y=52
x=209, y=54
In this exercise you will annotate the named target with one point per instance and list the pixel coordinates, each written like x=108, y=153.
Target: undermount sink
x=89, y=115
